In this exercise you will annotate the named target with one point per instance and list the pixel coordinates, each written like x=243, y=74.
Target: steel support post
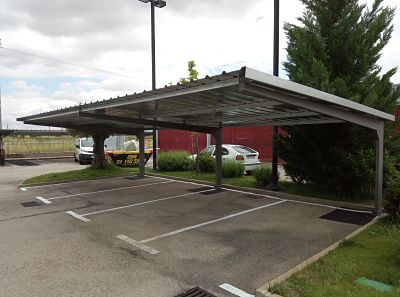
x=153, y=78
x=379, y=170
x=140, y=137
x=274, y=183
x=218, y=158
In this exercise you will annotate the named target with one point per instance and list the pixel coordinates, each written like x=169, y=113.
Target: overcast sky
x=113, y=38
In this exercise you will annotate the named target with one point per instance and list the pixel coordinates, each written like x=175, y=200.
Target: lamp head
x=159, y=3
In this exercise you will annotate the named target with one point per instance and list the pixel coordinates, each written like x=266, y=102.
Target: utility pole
x=2, y=152
x=274, y=183
x=159, y=4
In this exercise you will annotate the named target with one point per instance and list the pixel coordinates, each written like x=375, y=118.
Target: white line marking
x=138, y=244
x=78, y=216
x=23, y=189
x=108, y=190
x=211, y=222
x=44, y=200
x=143, y=203
x=300, y=202
x=84, y=181
x=182, y=181
x=235, y=291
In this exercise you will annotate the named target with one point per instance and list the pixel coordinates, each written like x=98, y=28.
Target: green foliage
x=232, y=168
x=335, y=48
x=206, y=163
x=174, y=161
x=392, y=197
x=193, y=73
x=263, y=175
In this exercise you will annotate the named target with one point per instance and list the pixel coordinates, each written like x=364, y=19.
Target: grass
x=374, y=254
x=40, y=144
x=87, y=173
x=288, y=187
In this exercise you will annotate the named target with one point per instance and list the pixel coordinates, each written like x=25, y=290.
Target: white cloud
x=115, y=35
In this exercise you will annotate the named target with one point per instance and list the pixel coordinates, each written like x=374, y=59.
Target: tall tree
x=193, y=73
x=335, y=48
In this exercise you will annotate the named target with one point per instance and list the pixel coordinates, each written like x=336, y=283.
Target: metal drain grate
x=22, y=163
x=348, y=216
x=30, y=204
x=196, y=292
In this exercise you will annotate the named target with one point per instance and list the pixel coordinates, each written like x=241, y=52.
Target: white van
x=83, y=150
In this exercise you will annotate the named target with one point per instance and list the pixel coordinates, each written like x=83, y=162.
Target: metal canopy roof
x=246, y=97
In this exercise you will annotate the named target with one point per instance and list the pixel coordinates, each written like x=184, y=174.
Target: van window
x=87, y=142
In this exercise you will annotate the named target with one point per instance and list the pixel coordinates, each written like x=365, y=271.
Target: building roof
x=245, y=97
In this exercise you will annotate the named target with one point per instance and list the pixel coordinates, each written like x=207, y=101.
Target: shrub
x=392, y=197
x=206, y=163
x=232, y=168
x=174, y=161
x=263, y=175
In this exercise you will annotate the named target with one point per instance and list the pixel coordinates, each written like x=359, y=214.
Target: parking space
x=198, y=236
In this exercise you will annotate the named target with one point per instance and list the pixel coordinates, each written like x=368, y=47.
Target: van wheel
x=248, y=172
x=80, y=161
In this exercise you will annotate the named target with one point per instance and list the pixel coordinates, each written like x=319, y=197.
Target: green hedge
x=232, y=168
x=206, y=163
x=174, y=161
x=263, y=175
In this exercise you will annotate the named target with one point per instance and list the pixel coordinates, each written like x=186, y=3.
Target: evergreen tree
x=335, y=48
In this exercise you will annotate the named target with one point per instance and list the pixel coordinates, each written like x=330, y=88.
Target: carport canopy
x=241, y=98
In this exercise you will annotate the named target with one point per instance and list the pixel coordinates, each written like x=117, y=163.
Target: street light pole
x=159, y=4
x=274, y=183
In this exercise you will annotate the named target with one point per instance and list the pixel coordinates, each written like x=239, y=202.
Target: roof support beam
x=325, y=109
x=151, y=123
x=87, y=128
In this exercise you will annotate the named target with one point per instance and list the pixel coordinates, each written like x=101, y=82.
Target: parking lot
x=156, y=237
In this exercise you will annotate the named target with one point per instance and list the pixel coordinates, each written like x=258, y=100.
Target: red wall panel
x=258, y=138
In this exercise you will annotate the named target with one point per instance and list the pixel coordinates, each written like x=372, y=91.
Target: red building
x=258, y=138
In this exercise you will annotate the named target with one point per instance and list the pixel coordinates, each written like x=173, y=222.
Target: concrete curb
x=22, y=185
x=264, y=291
x=286, y=196
x=38, y=158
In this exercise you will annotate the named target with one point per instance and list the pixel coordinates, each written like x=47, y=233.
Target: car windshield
x=207, y=151
x=86, y=142
x=244, y=150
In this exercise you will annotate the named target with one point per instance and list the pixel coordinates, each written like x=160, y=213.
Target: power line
x=65, y=69
x=63, y=61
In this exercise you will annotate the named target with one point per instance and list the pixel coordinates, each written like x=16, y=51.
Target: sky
x=106, y=47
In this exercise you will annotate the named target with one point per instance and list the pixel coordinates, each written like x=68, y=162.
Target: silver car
x=241, y=153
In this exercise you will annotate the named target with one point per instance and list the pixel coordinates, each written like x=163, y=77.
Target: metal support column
x=379, y=170
x=153, y=78
x=274, y=186
x=218, y=158
x=140, y=137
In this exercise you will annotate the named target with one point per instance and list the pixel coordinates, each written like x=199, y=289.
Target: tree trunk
x=100, y=160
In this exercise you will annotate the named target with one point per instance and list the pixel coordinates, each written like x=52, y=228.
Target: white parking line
x=44, y=200
x=143, y=203
x=23, y=189
x=78, y=216
x=138, y=244
x=108, y=190
x=82, y=216
x=301, y=202
x=182, y=181
x=211, y=222
x=235, y=291
x=84, y=181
